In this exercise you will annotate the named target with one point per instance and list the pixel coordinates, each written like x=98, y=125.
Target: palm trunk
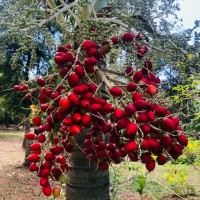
x=86, y=182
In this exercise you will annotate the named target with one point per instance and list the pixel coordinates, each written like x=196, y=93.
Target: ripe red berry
x=90, y=62
x=36, y=121
x=33, y=167
x=73, y=80
x=30, y=136
x=150, y=165
x=168, y=125
x=64, y=103
x=162, y=159
x=131, y=146
x=115, y=40
x=151, y=90
x=41, y=82
x=80, y=71
x=182, y=139
x=35, y=146
x=47, y=191
x=116, y=91
x=128, y=37
x=75, y=129
x=44, y=181
x=86, y=120
x=138, y=76
x=87, y=44
x=33, y=158
x=41, y=138
x=131, y=129
x=131, y=87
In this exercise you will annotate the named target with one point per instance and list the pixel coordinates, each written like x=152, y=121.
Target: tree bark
x=86, y=182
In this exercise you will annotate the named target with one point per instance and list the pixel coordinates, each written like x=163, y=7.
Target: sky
x=190, y=11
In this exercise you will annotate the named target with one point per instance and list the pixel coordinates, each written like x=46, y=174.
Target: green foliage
x=191, y=153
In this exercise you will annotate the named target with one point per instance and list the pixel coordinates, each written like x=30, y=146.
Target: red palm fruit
x=60, y=159
x=144, y=145
x=130, y=110
x=178, y=128
x=116, y=91
x=131, y=146
x=111, y=147
x=87, y=96
x=49, y=156
x=47, y=164
x=92, y=87
x=87, y=143
x=101, y=153
x=85, y=104
x=45, y=172
x=63, y=72
x=140, y=53
x=86, y=120
x=44, y=181
x=150, y=115
x=122, y=123
x=88, y=44
x=103, y=166
x=177, y=149
x=35, y=146
x=175, y=120
x=41, y=138
x=79, y=70
x=16, y=87
x=75, y=129
x=56, y=150
x=133, y=157
x=117, y=157
x=36, y=121
x=166, y=140
x=73, y=80
x=129, y=71
x=115, y=40
x=92, y=52
x=168, y=125
x=136, y=96
x=182, y=139
x=95, y=108
x=160, y=111
x=138, y=76
x=162, y=159
x=33, y=158
x=44, y=107
x=154, y=145
x=47, y=191
x=90, y=62
x=64, y=167
x=150, y=165
x=146, y=157
x=67, y=121
x=148, y=64
x=140, y=104
x=76, y=117
x=64, y=103
x=128, y=37
x=107, y=108
x=59, y=58
x=151, y=90
x=80, y=89
x=119, y=113
x=33, y=167
x=102, y=145
x=69, y=148
x=131, y=129
x=30, y=136
x=142, y=118
x=41, y=82
x=56, y=191
x=27, y=96
x=68, y=57
x=145, y=128
x=73, y=98
x=131, y=87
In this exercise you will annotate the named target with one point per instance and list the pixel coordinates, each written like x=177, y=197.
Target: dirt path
x=16, y=182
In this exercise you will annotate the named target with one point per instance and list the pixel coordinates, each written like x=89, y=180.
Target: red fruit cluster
x=138, y=128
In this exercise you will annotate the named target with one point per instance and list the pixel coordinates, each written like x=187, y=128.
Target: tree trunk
x=26, y=143
x=6, y=119
x=86, y=182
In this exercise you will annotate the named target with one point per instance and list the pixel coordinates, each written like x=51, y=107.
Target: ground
x=17, y=183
